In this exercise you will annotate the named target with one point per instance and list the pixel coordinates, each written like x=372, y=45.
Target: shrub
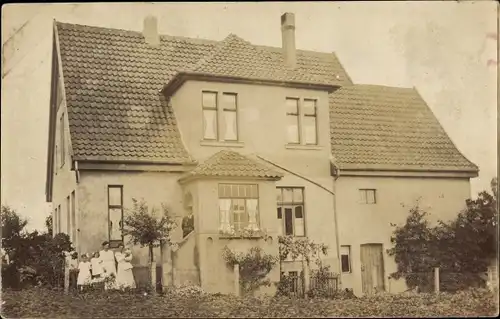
x=254, y=265
x=461, y=248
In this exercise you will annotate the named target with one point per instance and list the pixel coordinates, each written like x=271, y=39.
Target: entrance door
x=372, y=268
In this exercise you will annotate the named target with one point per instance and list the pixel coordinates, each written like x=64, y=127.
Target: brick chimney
x=150, y=31
x=288, y=39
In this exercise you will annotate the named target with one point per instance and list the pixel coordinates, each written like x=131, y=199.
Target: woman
x=125, y=276
x=108, y=263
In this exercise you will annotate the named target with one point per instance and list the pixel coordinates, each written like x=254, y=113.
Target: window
x=309, y=128
x=230, y=116
x=210, y=127
x=55, y=221
x=301, y=118
x=59, y=219
x=68, y=217
x=292, y=120
x=115, y=213
x=238, y=207
x=345, y=258
x=367, y=196
x=291, y=210
x=73, y=218
x=62, y=149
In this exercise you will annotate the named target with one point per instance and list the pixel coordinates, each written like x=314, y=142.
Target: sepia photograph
x=251, y=159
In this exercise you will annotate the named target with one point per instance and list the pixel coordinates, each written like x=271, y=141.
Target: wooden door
x=372, y=268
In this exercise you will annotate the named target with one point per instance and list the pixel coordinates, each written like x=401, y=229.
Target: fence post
x=236, y=272
x=306, y=283
x=436, y=280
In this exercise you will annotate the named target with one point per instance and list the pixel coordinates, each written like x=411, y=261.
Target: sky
x=447, y=50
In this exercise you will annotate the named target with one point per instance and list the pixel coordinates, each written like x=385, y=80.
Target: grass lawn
x=45, y=303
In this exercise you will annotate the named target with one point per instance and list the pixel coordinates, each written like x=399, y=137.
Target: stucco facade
x=361, y=223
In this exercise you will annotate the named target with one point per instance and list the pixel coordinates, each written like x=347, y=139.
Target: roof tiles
x=389, y=128
x=228, y=163
x=112, y=82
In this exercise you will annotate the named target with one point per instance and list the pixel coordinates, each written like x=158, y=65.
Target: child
x=73, y=270
x=84, y=275
x=96, y=264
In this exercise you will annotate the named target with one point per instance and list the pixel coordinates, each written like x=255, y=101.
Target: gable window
x=238, y=207
x=309, y=128
x=292, y=121
x=301, y=121
x=345, y=258
x=210, y=123
x=220, y=116
x=62, y=148
x=368, y=196
x=291, y=211
x=115, y=213
x=230, y=116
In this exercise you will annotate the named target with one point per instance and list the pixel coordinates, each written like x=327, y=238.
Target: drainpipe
x=337, y=174
x=77, y=172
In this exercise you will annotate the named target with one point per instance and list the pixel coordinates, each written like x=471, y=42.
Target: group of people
x=114, y=268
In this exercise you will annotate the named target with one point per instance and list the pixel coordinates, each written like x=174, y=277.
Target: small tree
x=148, y=230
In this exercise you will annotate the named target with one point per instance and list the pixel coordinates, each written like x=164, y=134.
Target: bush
x=254, y=265
x=461, y=248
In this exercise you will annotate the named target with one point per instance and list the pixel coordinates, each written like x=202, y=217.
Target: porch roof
x=228, y=163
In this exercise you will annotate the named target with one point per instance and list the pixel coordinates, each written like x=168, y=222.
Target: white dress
x=84, y=276
x=97, y=268
x=108, y=265
x=125, y=275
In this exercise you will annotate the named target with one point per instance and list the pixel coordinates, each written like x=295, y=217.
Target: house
x=241, y=136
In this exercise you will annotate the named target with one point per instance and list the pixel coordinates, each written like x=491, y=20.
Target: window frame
x=73, y=234
x=68, y=215
x=62, y=141
x=245, y=198
x=282, y=205
x=235, y=111
x=365, y=191
x=209, y=108
x=315, y=116
x=59, y=219
x=296, y=115
x=349, y=262
x=112, y=242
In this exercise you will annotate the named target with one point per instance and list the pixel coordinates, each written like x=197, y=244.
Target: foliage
x=36, y=258
x=301, y=246
x=145, y=228
x=254, y=266
x=44, y=303
x=49, y=224
x=321, y=283
x=461, y=248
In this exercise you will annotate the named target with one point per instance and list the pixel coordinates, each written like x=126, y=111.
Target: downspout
x=337, y=174
x=77, y=172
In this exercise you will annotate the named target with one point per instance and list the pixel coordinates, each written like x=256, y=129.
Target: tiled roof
x=235, y=57
x=112, y=82
x=389, y=128
x=228, y=163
